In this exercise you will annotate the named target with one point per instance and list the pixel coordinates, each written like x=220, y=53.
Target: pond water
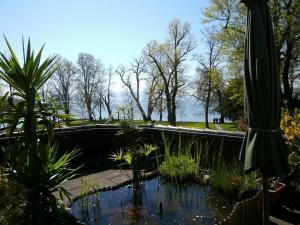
x=160, y=203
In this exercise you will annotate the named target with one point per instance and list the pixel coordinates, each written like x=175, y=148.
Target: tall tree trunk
x=100, y=109
x=170, y=114
x=287, y=91
x=173, y=113
x=141, y=110
x=110, y=113
x=150, y=108
x=66, y=108
x=131, y=112
x=89, y=110
x=222, y=118
x=170, y=104
x=207, y=102
x=160, y=115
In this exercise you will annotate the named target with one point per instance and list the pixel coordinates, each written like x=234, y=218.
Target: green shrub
x=290, y=125
x=230, y=180
x=179, y=168
x=227, y=179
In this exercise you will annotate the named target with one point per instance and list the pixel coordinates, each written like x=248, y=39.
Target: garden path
x=101, y=180
x=218, y=127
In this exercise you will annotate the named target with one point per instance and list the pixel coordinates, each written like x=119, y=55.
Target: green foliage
x=228, y=18
x=250, y=182
x=134, y=157
x=130, y=155
x=226, y=179
x=90, y=199
x=168, y=59
x=135, y=152
x=182, y=159
x=290, y=125
x=129, y=131
x=229, y=126
x=230, y=179
x=25, y=81
x=232, y=105
x=29, y=160
x=179, y=168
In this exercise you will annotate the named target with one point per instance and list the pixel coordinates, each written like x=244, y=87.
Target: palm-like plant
x=132, y=157
x=26, y=80
x=29, y=160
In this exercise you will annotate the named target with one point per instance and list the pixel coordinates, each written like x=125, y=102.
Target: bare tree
x=107, y=96
x=137, y=70
x=169, y=57
x=130, y=102
x=100, y=93
x=208, y=77
x=63, y=82
x=154, y=92
x=89, y=74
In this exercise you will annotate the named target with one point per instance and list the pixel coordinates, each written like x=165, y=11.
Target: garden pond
x=159, y=202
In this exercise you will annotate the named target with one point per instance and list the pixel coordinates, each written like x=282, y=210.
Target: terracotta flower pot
x=276, y=193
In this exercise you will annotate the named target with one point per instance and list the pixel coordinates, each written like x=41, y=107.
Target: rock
x=206, y=179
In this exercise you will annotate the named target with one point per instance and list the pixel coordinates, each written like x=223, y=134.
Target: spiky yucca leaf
x=29, y=77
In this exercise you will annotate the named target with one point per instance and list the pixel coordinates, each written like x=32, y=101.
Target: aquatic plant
x=133, y=157
x=135, y=151
x=89, y=199
x=227, y=179
x=179, y=168
x=184, y=159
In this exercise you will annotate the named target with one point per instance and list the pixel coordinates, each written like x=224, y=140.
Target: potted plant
x=276, y=191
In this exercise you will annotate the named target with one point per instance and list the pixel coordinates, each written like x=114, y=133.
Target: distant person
x=217, y=120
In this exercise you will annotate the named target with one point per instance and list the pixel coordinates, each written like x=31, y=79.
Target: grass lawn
x=198, y=125
x=229, y=127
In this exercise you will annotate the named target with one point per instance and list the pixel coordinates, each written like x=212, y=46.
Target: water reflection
x=157, y=202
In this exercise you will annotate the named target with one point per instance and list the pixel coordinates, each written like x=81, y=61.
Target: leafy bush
x=290, y=125
x=179, y=168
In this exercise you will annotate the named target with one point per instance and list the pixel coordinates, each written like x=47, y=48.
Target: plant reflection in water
x=157, y=202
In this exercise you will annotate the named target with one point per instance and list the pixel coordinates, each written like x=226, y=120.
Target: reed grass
x=90, y=199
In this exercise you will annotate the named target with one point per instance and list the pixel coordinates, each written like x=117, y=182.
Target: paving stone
x=99, y=180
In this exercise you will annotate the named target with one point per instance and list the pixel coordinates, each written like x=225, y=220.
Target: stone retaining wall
x=99, y=141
